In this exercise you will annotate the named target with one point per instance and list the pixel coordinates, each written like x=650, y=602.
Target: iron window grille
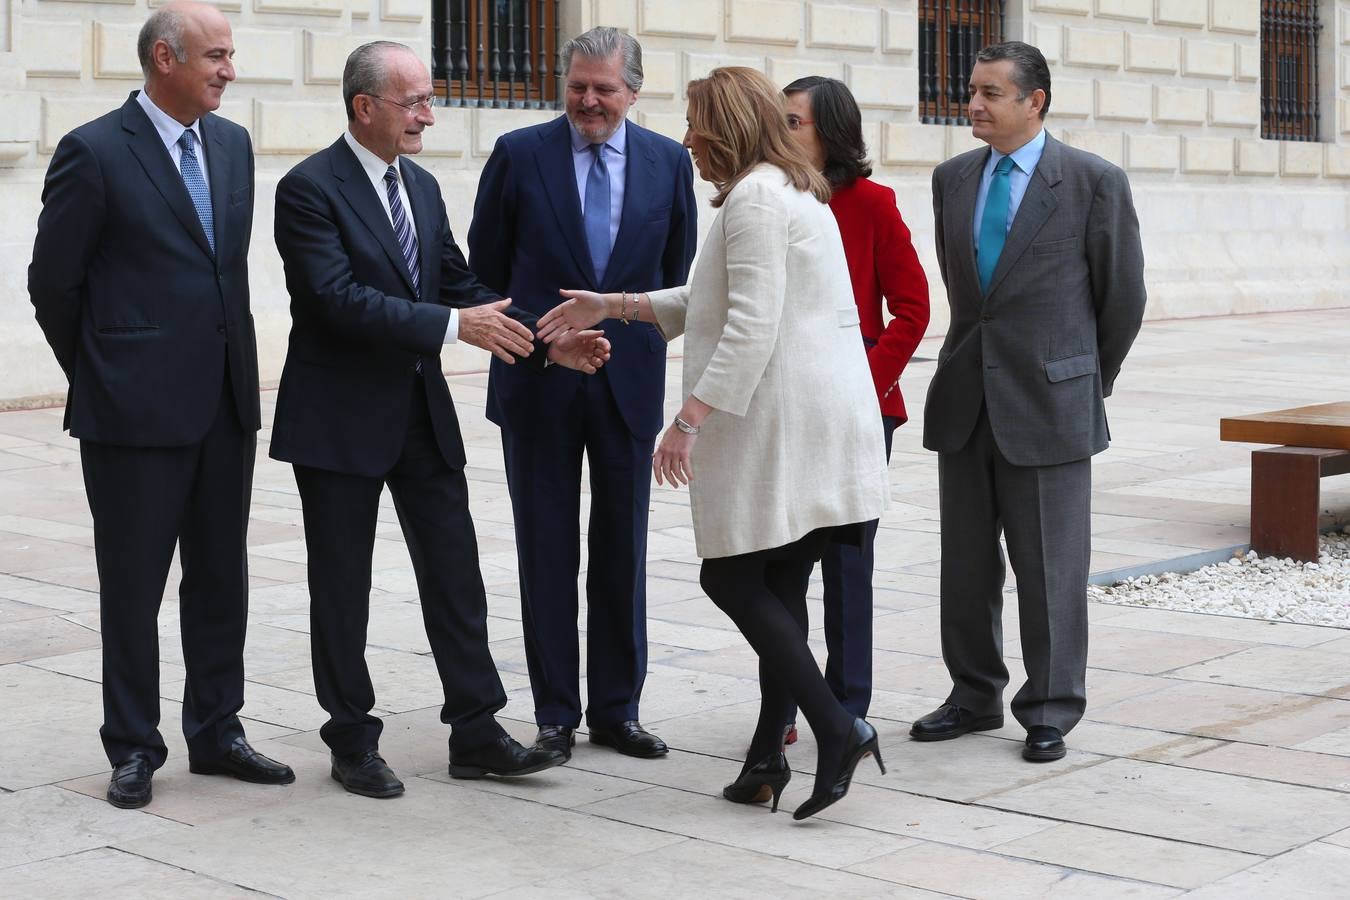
x=951, y=32
x=496, y=54
x=1289, y=77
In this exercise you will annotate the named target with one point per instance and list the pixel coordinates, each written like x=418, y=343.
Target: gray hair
x=1029, y=71
x=163, y=25
x=365, y=71
x=602, y=42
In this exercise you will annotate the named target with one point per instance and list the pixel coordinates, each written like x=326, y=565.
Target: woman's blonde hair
x=742, y=117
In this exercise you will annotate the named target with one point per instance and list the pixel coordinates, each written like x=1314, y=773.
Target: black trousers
x=1044, y=514
x=432, y=501
x=846, y=571
x=144, y=500
x=764, y=593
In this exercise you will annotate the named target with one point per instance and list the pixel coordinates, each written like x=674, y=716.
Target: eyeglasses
x=795, y=121
x=414, y=107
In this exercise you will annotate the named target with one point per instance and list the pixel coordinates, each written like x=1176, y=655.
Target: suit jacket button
x=986, y=318
x=220, y=329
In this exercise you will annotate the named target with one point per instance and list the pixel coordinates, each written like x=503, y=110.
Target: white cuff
x=452, y=328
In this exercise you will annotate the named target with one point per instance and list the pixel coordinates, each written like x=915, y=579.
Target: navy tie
x=196, y=186
x=596, y=214
x=407, y=241
x=994, y=222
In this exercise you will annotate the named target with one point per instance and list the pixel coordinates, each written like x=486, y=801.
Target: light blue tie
x=596, y=213
x=994, y=224
x=196, y=186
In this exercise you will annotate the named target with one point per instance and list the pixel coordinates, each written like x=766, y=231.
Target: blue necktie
x=196, y=186
x=596, y=214
x=994, y=223
x=407, y=241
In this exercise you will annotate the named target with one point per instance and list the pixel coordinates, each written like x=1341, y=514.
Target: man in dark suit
x=1038, y=245
x=589, y=200
x=377, y=286
x=140, y=282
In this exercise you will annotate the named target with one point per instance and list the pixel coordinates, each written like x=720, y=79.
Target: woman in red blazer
x=824, y=118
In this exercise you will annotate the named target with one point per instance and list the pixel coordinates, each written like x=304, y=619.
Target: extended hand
x=585, y=351
x=671, y=459
x=488, y=328
x=585, y=309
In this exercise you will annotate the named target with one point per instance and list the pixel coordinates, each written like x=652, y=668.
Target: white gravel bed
x=1251, y=586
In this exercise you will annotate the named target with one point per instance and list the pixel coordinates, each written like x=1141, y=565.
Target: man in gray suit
x=1038, y=244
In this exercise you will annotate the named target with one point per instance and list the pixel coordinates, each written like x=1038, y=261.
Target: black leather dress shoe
x=130, y=785
x=244, y=763
x=503, y=757
x=556, y=737
x=951, y=721
x=1045, y=743
x=630, y=739
x=366, y=773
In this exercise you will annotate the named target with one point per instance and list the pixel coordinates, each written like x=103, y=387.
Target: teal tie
x=994, y=223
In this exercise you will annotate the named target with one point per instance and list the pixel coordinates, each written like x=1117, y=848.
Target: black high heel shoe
x=771, y=774
x=862, y=741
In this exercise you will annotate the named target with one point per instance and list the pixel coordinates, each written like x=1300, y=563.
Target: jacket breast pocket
x=1070, y=367
x=118, y=330
x=1054, y=246
x=847, y=318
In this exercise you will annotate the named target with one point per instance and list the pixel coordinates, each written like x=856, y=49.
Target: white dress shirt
x=375, y=168
x=170, y=130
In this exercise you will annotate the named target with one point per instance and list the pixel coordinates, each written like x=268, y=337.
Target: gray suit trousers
x=1044, y=514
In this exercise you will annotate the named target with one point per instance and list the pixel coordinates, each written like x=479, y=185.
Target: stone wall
x=1169, y=89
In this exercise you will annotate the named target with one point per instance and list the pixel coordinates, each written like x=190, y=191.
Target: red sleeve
x=905, y=288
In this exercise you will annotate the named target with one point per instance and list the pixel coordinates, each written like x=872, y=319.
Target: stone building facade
x=1168, y=89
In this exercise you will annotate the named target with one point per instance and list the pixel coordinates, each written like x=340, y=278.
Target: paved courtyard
x=1214, y=759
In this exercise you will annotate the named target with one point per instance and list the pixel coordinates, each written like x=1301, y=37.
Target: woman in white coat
x=778, y=437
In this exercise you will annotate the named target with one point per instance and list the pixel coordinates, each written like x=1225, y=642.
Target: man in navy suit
x=589, y=200
x=140, y=283
x=377, y=286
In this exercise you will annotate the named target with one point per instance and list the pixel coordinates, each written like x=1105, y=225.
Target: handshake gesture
x=489, y=328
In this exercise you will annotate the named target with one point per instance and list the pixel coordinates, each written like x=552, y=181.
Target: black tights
x=764, y=593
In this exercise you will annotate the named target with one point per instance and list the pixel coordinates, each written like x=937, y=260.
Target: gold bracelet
x=623, y=307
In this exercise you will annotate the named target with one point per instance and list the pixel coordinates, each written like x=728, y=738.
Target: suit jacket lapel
x=144, y=143
x=360, y=194
x=1038, y=203
x=218, y=167
x=553, y=156
x=963, y=213
x=639, y=176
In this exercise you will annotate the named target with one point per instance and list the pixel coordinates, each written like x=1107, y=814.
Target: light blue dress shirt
x=1024, y=160
x=616, y=161
x=170, y=130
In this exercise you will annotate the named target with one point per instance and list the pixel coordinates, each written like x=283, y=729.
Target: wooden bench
x=1285, y=480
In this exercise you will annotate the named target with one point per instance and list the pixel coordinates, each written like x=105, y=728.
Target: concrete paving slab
x=1316, y=872
x=1216, y=810
x=969, y=873
x=114, y=875
x=1133, y=856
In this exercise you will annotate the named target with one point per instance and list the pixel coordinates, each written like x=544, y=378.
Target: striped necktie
x=407, y=240
x=195, y=183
